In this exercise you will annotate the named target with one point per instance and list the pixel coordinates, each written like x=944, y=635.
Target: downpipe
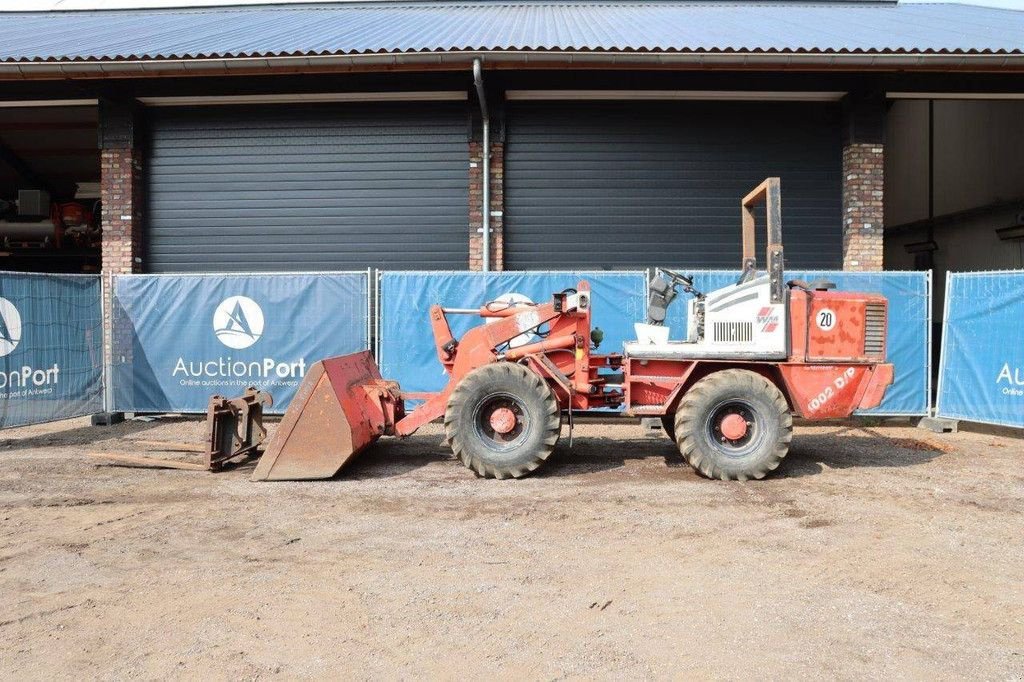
x=485, y=211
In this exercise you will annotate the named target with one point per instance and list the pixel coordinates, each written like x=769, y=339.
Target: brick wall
x=476, y=189
x=863, y=195
x=121, y=193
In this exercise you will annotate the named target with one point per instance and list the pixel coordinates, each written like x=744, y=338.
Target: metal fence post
x=942, y=343
x=931, y=403
x=107, y=309
x=377, y=315
x=369, y=308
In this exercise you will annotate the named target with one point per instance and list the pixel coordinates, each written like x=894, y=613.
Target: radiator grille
x=734, y=332
x=874, y=330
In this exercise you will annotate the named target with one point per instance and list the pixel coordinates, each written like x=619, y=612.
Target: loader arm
x=343, y=404
x=477, y=347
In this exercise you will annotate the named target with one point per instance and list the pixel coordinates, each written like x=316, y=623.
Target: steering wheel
x=685, y=280
x=678, y=277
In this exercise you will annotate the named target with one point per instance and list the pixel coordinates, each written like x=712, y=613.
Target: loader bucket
x=341, y=407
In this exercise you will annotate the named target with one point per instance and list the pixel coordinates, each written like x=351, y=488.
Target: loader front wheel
x=502, y=421
x=734, y=425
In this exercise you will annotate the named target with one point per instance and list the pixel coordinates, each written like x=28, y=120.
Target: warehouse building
x=353, y=135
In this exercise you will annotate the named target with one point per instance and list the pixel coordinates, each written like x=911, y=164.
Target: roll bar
x=768, y=191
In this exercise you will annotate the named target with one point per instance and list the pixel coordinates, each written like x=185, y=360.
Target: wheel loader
x=755, y=354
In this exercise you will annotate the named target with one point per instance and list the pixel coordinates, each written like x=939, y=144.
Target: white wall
x=963, y=246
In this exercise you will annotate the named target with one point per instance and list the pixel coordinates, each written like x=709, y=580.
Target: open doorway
x=50, y=207
x=954, y=189
x=954, y=194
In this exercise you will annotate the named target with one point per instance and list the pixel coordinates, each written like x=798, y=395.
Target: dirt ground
x=874, y=552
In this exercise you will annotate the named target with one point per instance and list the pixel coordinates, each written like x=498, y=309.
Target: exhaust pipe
x=485, y=211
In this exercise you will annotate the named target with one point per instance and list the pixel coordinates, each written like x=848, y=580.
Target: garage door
x=311, y=187
x=617, y=184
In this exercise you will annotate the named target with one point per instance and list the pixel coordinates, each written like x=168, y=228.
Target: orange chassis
x=825, y=377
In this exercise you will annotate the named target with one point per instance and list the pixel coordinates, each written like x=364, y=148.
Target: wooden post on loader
x=770, y=192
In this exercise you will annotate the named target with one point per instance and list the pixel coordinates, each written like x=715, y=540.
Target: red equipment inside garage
x=50, y=208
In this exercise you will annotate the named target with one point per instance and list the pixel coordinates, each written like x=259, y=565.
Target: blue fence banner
x=51, y=347
x=406, y=352
x=909, y=332
x=178, y=339
x=981, y=370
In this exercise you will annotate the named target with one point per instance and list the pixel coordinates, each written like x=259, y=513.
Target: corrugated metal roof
x=417, y=27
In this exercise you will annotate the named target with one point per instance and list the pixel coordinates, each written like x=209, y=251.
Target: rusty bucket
x=342, y=406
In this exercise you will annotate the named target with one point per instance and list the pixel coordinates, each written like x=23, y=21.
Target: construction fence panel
x=178, y=339
x=909, y=332
x=981, y=370
x=407, y=353
x=51, y=347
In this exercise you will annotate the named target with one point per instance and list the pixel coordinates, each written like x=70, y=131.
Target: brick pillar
x=121, y=249
x=476, y=189
x=121, y=193
x=863, y=180
x=863, y=208
x=120, y=185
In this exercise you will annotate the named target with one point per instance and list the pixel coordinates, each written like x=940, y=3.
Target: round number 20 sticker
x=825, y=319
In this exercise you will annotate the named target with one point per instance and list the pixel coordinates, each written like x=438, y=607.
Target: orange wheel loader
x=755, y=354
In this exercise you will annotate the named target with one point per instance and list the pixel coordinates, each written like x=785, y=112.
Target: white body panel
x=740, y=321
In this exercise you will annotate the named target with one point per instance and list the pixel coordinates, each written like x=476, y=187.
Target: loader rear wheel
x=502, y=420
x=734, y=425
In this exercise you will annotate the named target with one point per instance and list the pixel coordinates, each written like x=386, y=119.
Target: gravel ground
x=874, y=552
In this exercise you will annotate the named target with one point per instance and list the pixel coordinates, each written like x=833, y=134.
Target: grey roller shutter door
x=625, y=184
x=307, y=187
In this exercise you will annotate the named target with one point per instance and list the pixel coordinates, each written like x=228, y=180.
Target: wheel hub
x=733, y=426
x=502, y=420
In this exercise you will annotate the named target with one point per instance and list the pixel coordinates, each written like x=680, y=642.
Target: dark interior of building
x=49, y=189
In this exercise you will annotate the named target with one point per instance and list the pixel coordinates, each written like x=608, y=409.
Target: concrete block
x=107, y=418
x=938, y=425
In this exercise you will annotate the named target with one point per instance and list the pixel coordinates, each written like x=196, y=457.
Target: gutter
x=509, y=58
x=485, y=172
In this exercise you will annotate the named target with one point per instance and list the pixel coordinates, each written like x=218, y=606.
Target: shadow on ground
x=390, y=457
x=590, y=455
x=810, y=454
x=853, y=447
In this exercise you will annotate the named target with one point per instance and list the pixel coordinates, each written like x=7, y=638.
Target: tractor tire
x=734, y=425
x=502, y=420
x=668, y=423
